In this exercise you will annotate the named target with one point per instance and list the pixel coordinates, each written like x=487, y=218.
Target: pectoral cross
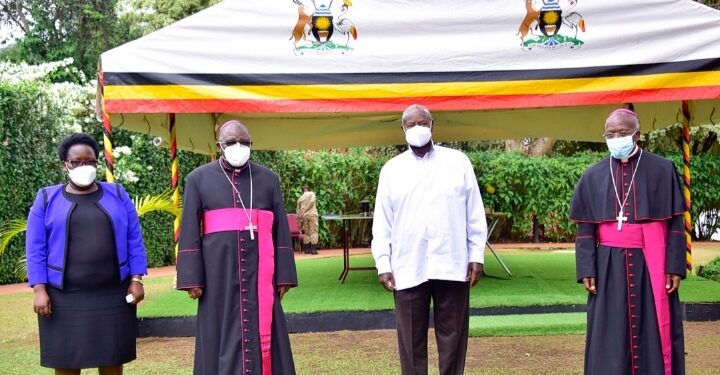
x=620, y=218
x=251, y=228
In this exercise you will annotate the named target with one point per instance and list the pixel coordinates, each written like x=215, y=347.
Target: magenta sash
x=228, y=219
x=650, y=237
x=266, y=287
x=235, y=219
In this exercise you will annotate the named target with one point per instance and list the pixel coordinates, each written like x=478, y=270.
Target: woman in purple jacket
x=85, y=262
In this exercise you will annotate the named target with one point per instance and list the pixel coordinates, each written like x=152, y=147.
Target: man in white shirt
x=429, y=235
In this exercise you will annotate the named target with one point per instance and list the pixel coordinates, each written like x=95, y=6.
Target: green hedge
x=339, y=180
x=29, y=130
x=704, y=188
x=711, y=270
x=525, y=187
x=152, y=168
x=509, y=182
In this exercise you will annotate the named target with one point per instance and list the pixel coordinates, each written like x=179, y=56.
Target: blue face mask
x=621, y=147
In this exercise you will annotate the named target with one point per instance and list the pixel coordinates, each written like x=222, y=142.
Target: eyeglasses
x=79, y=163
x=619, y=134
x=243, y=142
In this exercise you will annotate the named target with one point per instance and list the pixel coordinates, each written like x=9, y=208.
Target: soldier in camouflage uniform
x=307, y=216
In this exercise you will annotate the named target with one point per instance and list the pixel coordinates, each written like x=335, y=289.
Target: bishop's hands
x=282, y=289
x=672, y=283
x=387, y=280
x=475, y=272
x=195, y=293
x=589, y=283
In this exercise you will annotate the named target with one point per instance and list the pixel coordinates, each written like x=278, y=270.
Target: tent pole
x=175, y=177
x=107, y=136
x=687, y=117
x=213, y=155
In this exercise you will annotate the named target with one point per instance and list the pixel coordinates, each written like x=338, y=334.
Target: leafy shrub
x=29, y=131
x=711, y=270
x=704, y=192
x=524, y=187
x=34, y=116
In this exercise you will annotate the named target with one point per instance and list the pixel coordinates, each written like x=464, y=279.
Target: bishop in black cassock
x=235, y=255
x=630, y=252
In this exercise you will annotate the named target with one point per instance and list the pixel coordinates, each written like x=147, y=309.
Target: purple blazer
x=47, y=234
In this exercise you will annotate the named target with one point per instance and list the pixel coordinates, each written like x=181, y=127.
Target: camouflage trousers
x=309, y=228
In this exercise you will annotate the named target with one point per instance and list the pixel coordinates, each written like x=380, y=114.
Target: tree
x=13, y=13
x=54, y=30
x=141, y=17
x=83, y=29
x=711, y=3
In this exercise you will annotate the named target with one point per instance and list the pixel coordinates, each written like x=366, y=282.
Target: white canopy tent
x=333, y=73
x=463, y=59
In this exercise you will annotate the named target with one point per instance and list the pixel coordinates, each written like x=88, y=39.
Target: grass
x=18, y=328
x=540, y=278
x=20, y=350
x=528, y=325
x=375, y=352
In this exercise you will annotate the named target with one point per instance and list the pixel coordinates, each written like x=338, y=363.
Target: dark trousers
x=451, y=318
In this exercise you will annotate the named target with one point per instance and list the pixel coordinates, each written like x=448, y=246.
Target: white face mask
x=83, y=176
x=621, y=147
x=418, y=135
x=237, y=155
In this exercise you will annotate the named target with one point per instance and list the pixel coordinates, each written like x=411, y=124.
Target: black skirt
x=88, y=329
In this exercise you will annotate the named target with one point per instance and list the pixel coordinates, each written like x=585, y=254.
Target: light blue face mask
x=621, y=147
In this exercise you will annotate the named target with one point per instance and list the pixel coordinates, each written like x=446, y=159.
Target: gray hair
x=624, y=115
x=416, y=108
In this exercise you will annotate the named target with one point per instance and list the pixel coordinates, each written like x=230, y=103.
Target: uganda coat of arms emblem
x=549, y=17
x=321, y=30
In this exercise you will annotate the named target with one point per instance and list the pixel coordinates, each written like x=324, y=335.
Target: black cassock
x=634, y=327
x=241, y=327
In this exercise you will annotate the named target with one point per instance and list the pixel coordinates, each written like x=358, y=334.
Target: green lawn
x=539, y=278
x=528, y=325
